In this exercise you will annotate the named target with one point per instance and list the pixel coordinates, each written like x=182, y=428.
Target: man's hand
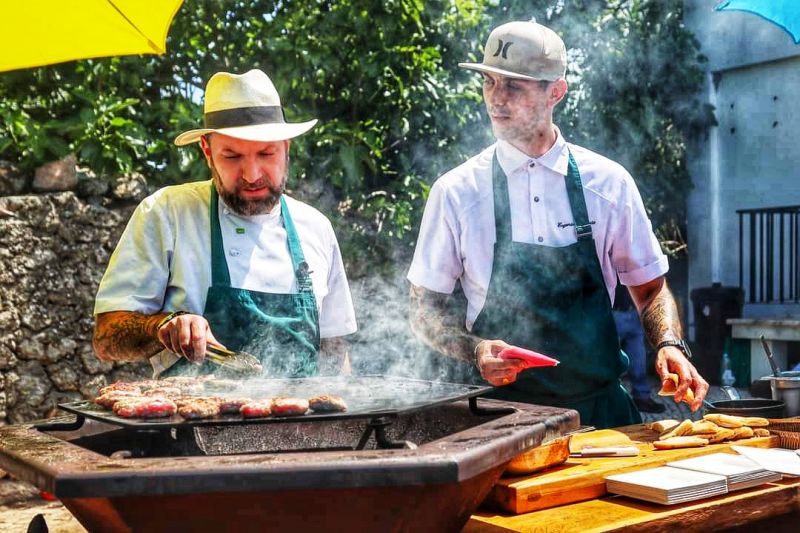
x=661, y=321
x=670, y=359
x=497, y=371
x=187, y=335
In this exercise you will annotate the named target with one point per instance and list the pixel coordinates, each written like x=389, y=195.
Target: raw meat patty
x=256, y=408
x=145, y=407
x=285, y=406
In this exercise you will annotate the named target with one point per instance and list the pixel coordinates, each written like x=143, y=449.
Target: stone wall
x=57, y=231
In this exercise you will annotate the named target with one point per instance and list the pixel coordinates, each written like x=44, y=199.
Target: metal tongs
x=240, y=362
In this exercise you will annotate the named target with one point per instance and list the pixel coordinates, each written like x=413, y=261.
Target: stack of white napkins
x=787, y=462
x=667, y=485
x=741, y=472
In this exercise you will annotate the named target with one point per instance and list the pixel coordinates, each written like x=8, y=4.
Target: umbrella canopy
x=34, y=33
x=784, y=13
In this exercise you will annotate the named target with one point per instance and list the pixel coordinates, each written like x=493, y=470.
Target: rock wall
x=57, y=232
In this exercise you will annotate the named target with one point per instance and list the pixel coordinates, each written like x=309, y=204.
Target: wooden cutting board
x=582, y=479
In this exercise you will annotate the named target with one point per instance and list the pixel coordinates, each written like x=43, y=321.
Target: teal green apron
x=554, y=300
x=282, y=330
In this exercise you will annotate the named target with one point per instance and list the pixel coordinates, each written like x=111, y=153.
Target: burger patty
x=232, y=406
x=285, y=406
x=326, y=403
x=108, y=399
x=147, y=384
x=164, y=392
x=197, y=408
x=145, y=407
x=256, y=408
x=119, y=386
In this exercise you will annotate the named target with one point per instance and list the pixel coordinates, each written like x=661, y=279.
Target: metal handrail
x=771, y=237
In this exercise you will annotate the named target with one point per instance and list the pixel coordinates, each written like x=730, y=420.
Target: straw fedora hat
x=245, y=106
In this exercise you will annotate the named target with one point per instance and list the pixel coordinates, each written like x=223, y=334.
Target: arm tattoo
x=433, y=325
x=126, y=336
x=660, y=318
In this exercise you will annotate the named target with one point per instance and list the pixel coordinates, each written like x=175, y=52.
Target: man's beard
x=522, y=130
x=248, y=207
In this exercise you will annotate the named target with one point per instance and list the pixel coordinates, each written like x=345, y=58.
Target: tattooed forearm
x=332, y=356
x=435, y=327
x=126, y=336
x=660, y=318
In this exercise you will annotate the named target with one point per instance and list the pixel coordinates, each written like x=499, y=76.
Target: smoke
x=385, y=343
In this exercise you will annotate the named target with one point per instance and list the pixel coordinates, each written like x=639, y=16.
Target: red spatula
x=529, y=357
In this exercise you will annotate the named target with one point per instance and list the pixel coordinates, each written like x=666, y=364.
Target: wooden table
x=572, y=497
x=778, y=503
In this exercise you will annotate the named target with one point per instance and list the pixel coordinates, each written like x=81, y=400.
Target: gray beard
x=244, y=207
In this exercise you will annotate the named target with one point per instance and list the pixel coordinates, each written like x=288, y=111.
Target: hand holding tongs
x=237, y=361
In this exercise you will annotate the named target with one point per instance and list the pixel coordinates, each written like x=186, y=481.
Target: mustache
x=253, y=186
x=498, y=112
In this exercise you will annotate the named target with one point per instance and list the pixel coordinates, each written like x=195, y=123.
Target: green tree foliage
x=394, y=109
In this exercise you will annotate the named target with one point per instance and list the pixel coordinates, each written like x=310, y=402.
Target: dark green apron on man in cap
x=554, y=300
x=282, y=330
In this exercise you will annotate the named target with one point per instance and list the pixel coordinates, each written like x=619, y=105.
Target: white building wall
x=752, y=160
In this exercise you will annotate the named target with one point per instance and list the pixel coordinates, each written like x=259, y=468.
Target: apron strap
x=220, y=277
x=502, y=211
x=295, y=250
x=583, y=229
x=577, y=202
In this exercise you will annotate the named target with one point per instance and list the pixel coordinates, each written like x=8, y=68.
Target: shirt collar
x=556, y=158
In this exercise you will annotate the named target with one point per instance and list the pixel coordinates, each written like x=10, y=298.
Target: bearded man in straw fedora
x=230, y=261
x=537, y=230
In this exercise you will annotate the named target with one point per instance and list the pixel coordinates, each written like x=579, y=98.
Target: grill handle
x=488, y=411
x=61, y=426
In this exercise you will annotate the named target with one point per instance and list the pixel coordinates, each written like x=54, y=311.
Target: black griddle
x=369, y=397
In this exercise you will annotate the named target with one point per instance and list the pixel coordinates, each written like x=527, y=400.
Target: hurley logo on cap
x=538, y=53
x=502, y=48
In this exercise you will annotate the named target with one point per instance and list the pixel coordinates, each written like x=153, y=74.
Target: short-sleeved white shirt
x=163, y=259
x=457, y=236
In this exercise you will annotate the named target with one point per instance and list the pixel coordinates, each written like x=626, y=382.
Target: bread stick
x=726, y=421
x=721, y=435
x=743, y=432
x=704, y=427
x=684, y=428
x=663, y=425
x=686, y=441
x=669, y=388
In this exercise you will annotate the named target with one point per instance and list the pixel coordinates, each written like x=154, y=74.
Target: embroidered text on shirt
x=569, y=224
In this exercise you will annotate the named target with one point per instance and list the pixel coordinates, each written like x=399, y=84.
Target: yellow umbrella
x=34, y=33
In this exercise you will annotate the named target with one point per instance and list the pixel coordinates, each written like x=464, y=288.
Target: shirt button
x=234, y=252
x=535, y=198
x=540, y=239
x=532, y=164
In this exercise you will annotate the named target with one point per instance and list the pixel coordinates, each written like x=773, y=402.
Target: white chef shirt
x=457, y=236
x=163, y=259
